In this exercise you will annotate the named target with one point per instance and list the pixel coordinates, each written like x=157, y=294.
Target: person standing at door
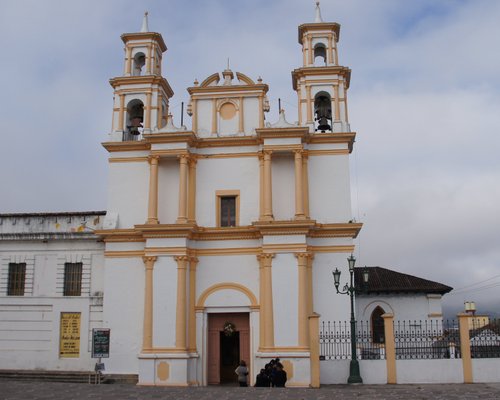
x=242, y=372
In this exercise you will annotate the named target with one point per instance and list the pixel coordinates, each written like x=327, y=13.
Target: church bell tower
x=321, y=83
x=141, y=94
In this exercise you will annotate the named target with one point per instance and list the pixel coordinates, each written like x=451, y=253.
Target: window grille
x=72, y=279
x=17, y=277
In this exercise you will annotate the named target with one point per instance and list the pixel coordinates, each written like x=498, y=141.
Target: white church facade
x=218, y=242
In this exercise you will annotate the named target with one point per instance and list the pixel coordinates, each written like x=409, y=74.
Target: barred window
x=72, y=279
x=17, y=275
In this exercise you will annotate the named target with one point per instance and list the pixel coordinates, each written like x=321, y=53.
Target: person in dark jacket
x=262, y=379
x=279, y=377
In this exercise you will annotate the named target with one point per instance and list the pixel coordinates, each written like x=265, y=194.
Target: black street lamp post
x=350, y=289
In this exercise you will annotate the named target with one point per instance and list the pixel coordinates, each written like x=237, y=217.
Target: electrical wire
x=476, y=283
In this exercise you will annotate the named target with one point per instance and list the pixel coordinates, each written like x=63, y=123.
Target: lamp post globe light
x=350, y=289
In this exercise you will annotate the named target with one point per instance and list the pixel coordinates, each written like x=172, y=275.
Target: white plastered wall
x=251, y=114
x=330, y=305
x=124, y=312
x=227, y=174
x=283, y=179
x=285, y=306
x=128, y=192
x=164, y=301
x=30, y=324
x=204, y=117
x=329, y=199
x=168, y=190
x=404, y=306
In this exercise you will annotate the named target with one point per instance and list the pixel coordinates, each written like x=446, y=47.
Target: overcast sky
x=424, y=101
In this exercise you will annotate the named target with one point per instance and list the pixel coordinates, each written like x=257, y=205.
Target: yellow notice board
x=69, y=336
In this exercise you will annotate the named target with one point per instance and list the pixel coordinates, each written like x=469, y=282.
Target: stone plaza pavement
x=27, y=390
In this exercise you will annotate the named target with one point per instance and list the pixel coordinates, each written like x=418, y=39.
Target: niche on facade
x=319, y=55
x=135, y=117
x=323, y=112
x=138, y=63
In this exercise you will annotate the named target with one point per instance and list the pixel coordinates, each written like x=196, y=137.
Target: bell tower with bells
x=321, y=83
x=141, y=94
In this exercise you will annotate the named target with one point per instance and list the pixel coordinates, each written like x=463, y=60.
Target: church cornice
x=336, y=230
x=126, y=146
x=126, y=37
x=257, y=230
x=341, y=137
x=319, y=71
x=288, y=132
x=231, y=141
x=196, y=90
x=171, y=137
x=321, y=26
x=142, y=80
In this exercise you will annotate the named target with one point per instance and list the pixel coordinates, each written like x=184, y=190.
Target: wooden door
x=216, y=323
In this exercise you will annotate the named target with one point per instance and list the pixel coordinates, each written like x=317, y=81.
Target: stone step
x=66, y=376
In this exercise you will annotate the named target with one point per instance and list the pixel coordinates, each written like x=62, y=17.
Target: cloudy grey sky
x=424, y=100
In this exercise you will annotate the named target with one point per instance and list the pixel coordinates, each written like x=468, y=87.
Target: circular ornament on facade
x=229, y=329
x=227, y=111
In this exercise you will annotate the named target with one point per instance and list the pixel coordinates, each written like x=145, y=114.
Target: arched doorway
x=228, y=343
x=377, y=324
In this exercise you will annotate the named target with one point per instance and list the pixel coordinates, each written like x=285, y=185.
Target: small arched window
x=377, y=322
x=323, y=111
x=319, y=54
x=139, y=62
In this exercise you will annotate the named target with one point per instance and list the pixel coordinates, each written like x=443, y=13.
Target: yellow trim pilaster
x=159, y=115
x=242, y=116
x=261, y=186
x=182, y=216
x=463, y=320
x=311, y=51
x=309, y=105
x=336, y=102
x=148, y=61
x=267, y=327
x=305, y=180
x=121, y=112
x=314, y=349
x=299, y=189
x=153, y=190
x=390, y=348
x=192, y=190
x=303, y=304
x=346, y=114
x=193, y=262
x=268, y=187
x=214, y=116
x=299, y=101
x=330, y=49
x=310, y=301
x=128, y=61
x=147, y=112
x=194, y=121
x=180, y=315
x=261, y=112
x=147, y=339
